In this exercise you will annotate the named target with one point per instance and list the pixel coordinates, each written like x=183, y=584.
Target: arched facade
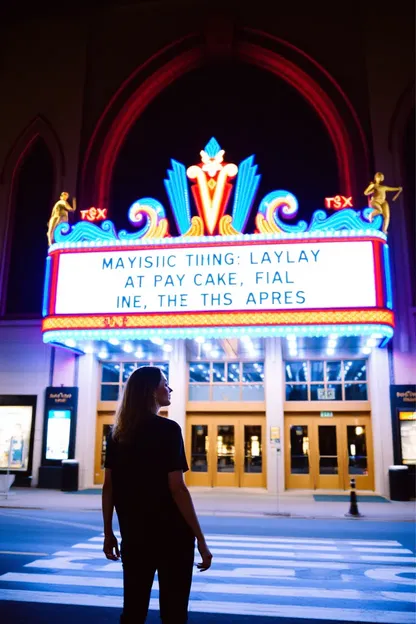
x=282, y=59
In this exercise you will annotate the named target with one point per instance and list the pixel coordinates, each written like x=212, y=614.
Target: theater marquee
x=331, y=276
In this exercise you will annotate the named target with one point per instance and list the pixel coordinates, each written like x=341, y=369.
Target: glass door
x=327, y=454
x=252, y=440
x=104, y=424
x=358, y=452
x=298, y=452
x=226, y=451
x=199, y=451
x=225, y=471
x=328, y=470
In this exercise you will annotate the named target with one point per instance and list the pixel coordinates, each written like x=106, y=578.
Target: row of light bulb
x=332, y=343
x=127, y=347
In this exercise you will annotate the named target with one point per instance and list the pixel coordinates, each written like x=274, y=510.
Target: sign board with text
x=197, y=284
x=228, y=278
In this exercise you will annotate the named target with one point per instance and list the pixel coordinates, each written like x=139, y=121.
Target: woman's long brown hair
x=138, y=401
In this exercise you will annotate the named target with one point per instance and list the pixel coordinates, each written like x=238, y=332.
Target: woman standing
x=144, y=466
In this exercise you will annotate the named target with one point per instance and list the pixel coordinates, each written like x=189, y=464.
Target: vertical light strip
x=178, y=192
x=387, y=277
x=46, y=286
x=246, y=188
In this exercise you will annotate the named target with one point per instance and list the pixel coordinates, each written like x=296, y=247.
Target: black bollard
x=353, y=512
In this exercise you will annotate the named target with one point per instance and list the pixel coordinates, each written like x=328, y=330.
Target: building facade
x=281, y=365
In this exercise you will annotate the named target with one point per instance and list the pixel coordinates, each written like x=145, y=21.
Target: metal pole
x=277, y=477
x=8, y=467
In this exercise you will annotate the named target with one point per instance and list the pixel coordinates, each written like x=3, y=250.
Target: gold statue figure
x=59, y=214
x=378, y=200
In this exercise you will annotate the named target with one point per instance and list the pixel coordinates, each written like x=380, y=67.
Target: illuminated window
x=331, y=380
x=226, y=381
x=114, y=376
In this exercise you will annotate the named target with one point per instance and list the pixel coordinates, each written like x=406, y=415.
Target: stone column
x=379, y=389
x=178, y=381
x=87, y=418
x=274, y=399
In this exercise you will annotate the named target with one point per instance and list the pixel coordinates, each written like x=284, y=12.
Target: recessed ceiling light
x=114, y=341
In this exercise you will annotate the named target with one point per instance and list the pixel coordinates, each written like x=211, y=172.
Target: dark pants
x=174, y=564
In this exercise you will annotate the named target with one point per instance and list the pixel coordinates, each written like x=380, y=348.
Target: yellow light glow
x=211, y=206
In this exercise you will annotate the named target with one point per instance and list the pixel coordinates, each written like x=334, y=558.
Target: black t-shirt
x=139, y=471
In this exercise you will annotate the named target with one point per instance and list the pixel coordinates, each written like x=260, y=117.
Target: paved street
x=52, y=569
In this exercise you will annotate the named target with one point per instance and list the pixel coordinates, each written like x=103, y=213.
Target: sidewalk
x=223, y=502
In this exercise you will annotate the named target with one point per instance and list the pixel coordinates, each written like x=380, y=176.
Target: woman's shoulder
x=167, y=427
x=163, y=421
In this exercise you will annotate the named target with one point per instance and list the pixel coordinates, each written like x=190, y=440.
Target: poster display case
x=17, y=417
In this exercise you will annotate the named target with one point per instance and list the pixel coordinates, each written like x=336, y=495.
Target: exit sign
x=327, y=414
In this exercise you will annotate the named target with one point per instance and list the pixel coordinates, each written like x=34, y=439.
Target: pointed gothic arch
x=38, y=128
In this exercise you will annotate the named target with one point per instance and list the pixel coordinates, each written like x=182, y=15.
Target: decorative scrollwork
x=197, y=227
x=226, y=228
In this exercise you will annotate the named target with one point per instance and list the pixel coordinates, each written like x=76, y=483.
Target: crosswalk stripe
x=269, y=540
x=373, y=543
x=257, y=543
x=316, y=613
x=283, y=553
x=221, y=588
x=26, y=554
x=231, y=608
x=384, y=551
x=271, y=547
x=388, y=559
x=301, y=540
